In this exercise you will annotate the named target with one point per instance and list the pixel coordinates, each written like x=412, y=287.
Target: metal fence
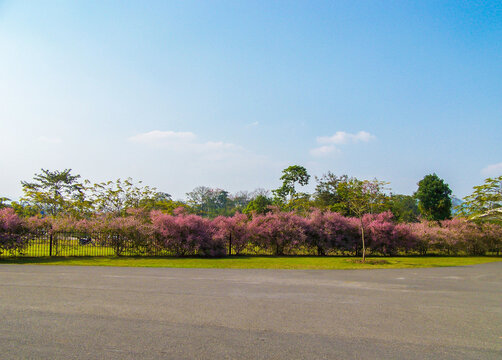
x=80, y=244
x=45, y=244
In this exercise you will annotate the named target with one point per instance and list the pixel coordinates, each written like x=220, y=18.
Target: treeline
x=276, y=232
x=55, y=193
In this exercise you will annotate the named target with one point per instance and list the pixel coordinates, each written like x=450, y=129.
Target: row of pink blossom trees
x=278, y=233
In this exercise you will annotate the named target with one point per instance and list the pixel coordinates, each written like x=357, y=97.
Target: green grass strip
x=261, y=262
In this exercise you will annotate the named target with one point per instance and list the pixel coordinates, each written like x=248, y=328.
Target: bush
x=141, y=232
x=186, y=234
x=331, y=231
x=465, y=235
x=381, y=233
x=232, y=231
x=12, y=232
x=130, y=233
x=279, y=232
x=493, y=237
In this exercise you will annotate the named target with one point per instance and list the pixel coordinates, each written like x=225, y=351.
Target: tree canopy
x=485, y=202
x=328, y=195
x=433, y=196
x=259, y=205
x=404, y=208
x=209, y=202
x=291, y=176
x=53, y=191
x=62, y=192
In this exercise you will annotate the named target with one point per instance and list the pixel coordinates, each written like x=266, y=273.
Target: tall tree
x=291, y=176
x=53, y=192
x=434, y=200
x=327, y=194
x=363, y=197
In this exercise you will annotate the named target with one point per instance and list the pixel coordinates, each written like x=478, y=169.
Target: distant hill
x=455, y=201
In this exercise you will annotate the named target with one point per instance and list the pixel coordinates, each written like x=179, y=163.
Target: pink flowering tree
x=130, y=233
x=330, y=231
x=405, y=238
x=428, y=236
x=232, y=231
x=381, y=235
x=493, y=237
x=37, y=225
x=387, y=237
x=316, y=234
x=466, y=236
x=184, y=234
x=280, y=232
x=12, y=232
x=62, y=224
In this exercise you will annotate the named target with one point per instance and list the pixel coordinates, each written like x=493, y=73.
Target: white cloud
x=255, y=123
x=50, y=140
x=339, y=138
x=323, y=150
x=492, y=170
x=342, y=137
x=157, y=137
x=186, y=143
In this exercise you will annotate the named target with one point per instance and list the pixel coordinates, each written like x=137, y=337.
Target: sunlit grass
x=258, y=262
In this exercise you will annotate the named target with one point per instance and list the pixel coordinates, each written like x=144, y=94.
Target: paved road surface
x=57, y=312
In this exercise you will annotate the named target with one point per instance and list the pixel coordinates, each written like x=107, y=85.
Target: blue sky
x=228, y=93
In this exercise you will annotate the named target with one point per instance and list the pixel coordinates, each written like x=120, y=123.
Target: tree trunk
x=230, y=244
x=278, y=248
x=362, y=238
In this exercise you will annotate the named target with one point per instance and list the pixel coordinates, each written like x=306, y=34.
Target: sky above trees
x=227, y=94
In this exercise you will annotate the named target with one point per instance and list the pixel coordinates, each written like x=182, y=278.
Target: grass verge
x=260, y=262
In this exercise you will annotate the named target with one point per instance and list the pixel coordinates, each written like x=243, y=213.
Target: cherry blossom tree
x=232, y=231
x=280, y=232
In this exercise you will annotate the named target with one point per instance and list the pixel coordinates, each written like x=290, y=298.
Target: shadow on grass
x=47, y=259
x=63, y=259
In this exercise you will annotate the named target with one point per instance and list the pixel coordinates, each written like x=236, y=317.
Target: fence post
x=50, y=245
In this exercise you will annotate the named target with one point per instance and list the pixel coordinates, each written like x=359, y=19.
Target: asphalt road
x=58, y=312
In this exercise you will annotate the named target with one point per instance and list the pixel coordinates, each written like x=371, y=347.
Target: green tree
x=434, y=200
x=54, y=192
x=25, y=209
x=300, y=203
x=328, y=196
x=116, y=197
x=240, y=201
x=286, y=195
x=205, y=201
x=259, y=205
x=160, y=201
x=403, y=207
x=4, y=202
x=485, y=202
